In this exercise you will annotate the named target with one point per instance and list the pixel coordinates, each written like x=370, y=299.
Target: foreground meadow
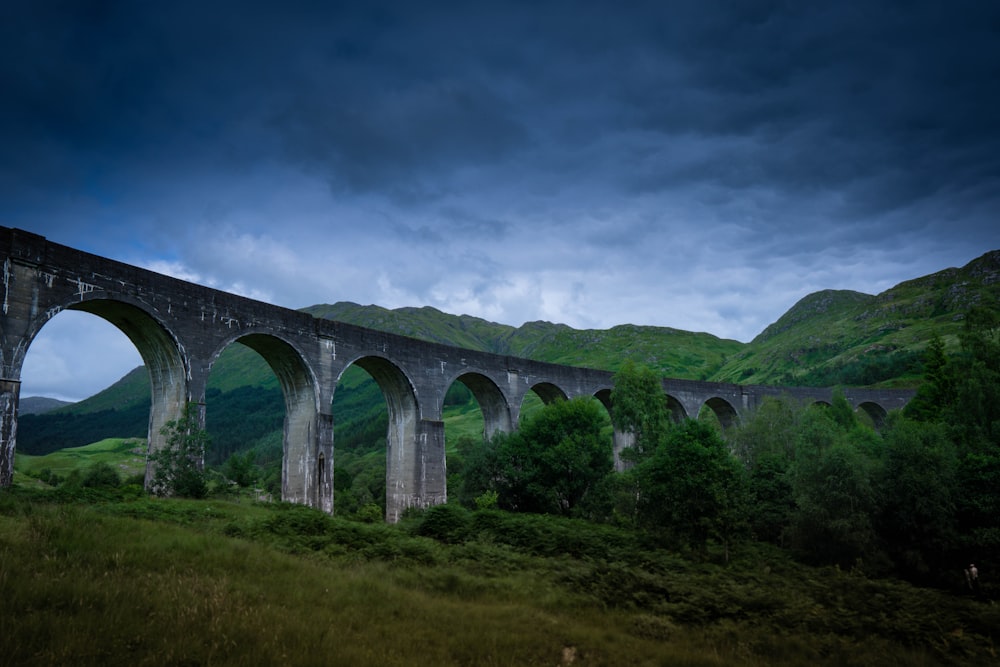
x=109, y=578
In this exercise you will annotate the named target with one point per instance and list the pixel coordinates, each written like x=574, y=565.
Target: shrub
x=101, y=475
x=445, y=523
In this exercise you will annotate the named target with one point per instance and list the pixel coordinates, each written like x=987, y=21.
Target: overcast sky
x=699, y=165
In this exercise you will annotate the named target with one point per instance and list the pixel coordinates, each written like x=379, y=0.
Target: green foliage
x=638, y=406
x=241, y=469
x=101, y=475
x=772, y=502
x=550, y=464
x=841, y=411
x=833, y=485
x=935, y=391
x=446, y=523
x=975, y=409
x=43, y=434
x=179, y=464
x=488, y=500
x=370, y=513
x=126, y=455
x=918, y=483
x=236, y=419
x=871, y=369
x=692, y=487
x=769, y=431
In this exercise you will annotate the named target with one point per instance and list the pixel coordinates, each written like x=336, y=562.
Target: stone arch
x=724, y=411
x=302, y=479
x=604, y=396
x=547, y=392
x=676, y=410
x=403, y=467
x=492, y=402
x=162, y=354
x=620, y=440
x=875, y=412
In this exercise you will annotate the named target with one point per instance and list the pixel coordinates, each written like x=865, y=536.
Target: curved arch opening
x=488, y=399
x=261, y=411
x=84, y=388
x=676, y=410
x=360, y=425
x=473, y=410
x=160, y=355
x=404, y=468
x=300, y=430
x=872, y=414
x=540, y=395
x=620, y=440
x=719, y=412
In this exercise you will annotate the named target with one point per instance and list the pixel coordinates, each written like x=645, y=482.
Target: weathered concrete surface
x=180, y=329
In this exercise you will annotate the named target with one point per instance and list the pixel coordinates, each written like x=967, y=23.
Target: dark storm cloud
x=887, y=102
x=694, y=164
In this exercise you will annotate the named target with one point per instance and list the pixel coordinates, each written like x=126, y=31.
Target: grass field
x=126, y=455
x=95, y=579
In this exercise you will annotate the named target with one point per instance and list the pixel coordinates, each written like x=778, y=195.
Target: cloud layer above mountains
x=694, y=165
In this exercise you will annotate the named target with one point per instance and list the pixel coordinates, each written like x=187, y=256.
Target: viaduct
x=181, y=328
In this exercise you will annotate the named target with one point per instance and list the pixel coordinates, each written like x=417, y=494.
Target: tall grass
x=149, y=581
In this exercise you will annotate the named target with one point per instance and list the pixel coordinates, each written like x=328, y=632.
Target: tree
x=639, y=406
x=241, y=469
x=179, y=465
x=549, y=465
x=841, y=411
x=832, y=482
x=917, y=518
x=936, y=390
x=975, y=408
x=693, y=487
x=765, y=443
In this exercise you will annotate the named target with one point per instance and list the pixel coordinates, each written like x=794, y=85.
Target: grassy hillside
x=126, y=455
x=861, y=339
x=674, y=353
x=36, y=405
x=112, y=580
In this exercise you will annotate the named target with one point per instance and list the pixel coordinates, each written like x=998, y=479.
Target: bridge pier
x=621, y=440
x=416, y=474
x=9, y=396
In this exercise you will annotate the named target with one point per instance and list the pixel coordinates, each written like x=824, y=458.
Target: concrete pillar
x=300, y=472
x=170, y=392
x=622, y=440
x=10, y=391
x=323, y=498
x=434, y=474
x=416, y=474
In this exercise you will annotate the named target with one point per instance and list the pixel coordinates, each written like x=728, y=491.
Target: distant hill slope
x=878, y=339
x=36, y=405
x=672, y=352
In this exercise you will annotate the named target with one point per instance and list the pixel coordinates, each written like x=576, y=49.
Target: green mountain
x=672, y=352
x=827, y=338
x=842, y=337
x=36, y=405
